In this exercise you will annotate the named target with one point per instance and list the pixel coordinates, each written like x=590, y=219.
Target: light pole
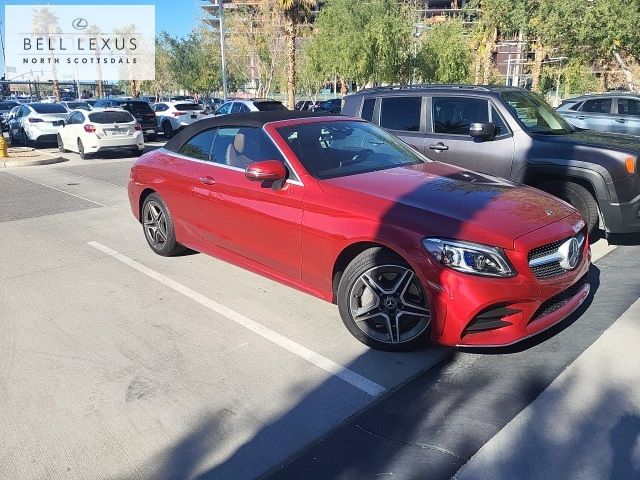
x=218, y=22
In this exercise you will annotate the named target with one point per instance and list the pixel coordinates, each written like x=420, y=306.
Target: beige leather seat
x=235, y=152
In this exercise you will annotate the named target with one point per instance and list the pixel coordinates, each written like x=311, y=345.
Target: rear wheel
x=578, y=197
x=167, y=130
x=61, y=144
x=158, y=227
x=382, y=302
x=81, y=151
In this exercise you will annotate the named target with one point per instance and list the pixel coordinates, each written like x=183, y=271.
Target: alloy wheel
x=155, y=225
x=388, y=304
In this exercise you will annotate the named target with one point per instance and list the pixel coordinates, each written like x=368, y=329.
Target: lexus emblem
x=80, y=24
x=570, y=253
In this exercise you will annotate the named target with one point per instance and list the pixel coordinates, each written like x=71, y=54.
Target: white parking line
x=349, y=376
x=57, y=189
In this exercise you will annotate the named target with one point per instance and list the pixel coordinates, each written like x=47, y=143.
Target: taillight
x=35, y=120
x=138, y=126
x=177, y=114
x=89, y=128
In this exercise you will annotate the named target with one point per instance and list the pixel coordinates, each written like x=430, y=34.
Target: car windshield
x=48, y=108
x=337, y=149
x=535, y=114
x=81, y=105
x=111, y=117
x=183, y=107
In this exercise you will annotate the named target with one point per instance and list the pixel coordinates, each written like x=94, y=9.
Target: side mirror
x=482, y=131
x=267, y=170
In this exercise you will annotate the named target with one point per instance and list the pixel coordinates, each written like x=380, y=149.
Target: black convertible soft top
x=252, y=119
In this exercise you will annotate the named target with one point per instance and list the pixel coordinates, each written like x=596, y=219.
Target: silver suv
x=617, y=113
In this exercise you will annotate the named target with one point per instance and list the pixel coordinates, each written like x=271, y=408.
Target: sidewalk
x=585, y=425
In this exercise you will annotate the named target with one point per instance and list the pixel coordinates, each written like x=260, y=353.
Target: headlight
x=469, y=257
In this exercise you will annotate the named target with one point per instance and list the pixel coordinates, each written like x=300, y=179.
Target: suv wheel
x=382, y=302
x=167, y=130
x=578, y=197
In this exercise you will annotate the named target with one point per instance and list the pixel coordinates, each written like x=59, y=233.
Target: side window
x=501, y=127
x=453, y=115
x=629, y=106
x=69, y=119
x=240, y=146
x=163, y=108
x=367, y=109
x=401, y=113
x=244, y=108
x=597, y=105
x=199, y=146
x=236, y=108
x=224, y=109
x=79, y=117
x=575, y=106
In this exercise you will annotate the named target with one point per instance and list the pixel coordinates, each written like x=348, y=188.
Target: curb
x=30, y=163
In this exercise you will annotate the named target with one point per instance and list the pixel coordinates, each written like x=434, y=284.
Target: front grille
x=560, y=300
x=553, y=268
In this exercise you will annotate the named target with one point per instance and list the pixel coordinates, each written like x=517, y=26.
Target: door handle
x=581, y=117
x=207, y=180
x=438, y=146
x=621, y=120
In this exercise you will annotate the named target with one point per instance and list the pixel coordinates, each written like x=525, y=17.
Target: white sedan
x=100, y=130
x=174, y=116
x=35, y=123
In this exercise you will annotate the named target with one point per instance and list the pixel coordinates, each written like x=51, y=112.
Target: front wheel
x=578, y=197
x=158, y=227
x=383, y=303
x=167, y=130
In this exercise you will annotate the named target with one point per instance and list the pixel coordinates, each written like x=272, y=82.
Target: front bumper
x=622, y=217
x=525, y=305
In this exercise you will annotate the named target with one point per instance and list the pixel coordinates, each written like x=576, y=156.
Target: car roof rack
x=428, y=86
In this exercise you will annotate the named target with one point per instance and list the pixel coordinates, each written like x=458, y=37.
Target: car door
x=66, y=131
x=251, y=219
x=16, y=125
x=402, y=117
x=448, y=139
x=596, y=114
x=627, y=116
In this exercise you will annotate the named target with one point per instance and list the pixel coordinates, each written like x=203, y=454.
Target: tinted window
x=237, y=107
x=48, y=108
x=199, y=146
x=111, y=117
x=575, y=106
x=401, y=113
x=74, y=105
x=240, y=146
x=501, y=127
x=367, y=109
x=224, y=108
x=453, y=115
x=629, y=106
x=181, y=107
x=135, y=107
x=265, y=106
x=597, y=105
x=334, y=149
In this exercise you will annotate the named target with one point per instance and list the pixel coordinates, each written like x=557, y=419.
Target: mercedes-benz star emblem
x=570, y=252
x=80, y=23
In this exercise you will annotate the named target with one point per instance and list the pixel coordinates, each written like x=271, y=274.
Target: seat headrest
x=238, y=142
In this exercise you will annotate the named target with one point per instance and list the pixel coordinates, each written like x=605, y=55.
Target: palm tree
x=94, y=31
x=294, y=11
x=128, y=31
x=44, y=23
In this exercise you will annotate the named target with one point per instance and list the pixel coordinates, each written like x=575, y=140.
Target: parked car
x=211, y=105
x=90, y=101
x=141, y=111
x=98, y=131
x=5, y=107
x=76, y=104
x=332, y=106
x=616, y=113
x=34, y=123
x=174, y=116
x=253, y=105
x=511, y=133
x=409, y=249
x=306, y=105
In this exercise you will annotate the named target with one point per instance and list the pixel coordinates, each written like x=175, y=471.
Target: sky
x=177, y=17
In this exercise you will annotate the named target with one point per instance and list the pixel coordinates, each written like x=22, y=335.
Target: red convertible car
x=410, y=249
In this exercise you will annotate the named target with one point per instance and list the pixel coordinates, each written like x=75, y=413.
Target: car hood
x=442, y=200
x=590, y=138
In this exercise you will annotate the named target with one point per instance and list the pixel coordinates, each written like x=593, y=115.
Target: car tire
x=578, y=197
x=395, y=315
x=167, y=130
x=12, y=140
x=61, y=148
x=137, y=152
x=158, y=228
x=81, y=152
x=152, y=138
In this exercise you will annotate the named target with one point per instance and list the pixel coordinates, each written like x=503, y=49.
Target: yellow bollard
x=3, y=147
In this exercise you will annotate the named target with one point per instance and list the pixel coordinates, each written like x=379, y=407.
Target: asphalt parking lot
x=117, y=363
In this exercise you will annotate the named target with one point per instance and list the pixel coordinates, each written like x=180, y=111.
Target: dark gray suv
x=511, y=133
